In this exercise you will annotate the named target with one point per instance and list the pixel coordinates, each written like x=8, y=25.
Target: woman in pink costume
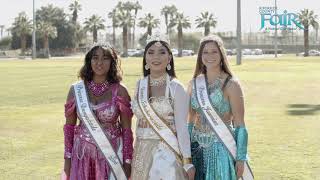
x=110, y=102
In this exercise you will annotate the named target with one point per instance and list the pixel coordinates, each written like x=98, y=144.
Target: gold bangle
x=187, y=161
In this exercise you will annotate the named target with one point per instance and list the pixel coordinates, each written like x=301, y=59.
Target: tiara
x=157, y=36
x=214, y=38
x=101, y=44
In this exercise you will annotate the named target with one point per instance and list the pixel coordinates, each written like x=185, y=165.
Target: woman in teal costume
x=210, y=157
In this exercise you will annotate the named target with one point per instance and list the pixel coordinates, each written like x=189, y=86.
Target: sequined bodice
x=202, y=131
x=221, y=105
x=162, y=106
x=107, y=114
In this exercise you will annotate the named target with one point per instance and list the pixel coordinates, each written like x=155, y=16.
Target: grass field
x=282, y=114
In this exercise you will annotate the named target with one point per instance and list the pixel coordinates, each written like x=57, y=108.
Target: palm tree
x=113, y=15
x=52, y=14
x=94, y=24
x=167, y=11
x=78, y=33
x=125, y=21
x=181, y=22
x=22, y=26
x=307, y=18
x=149, y=22
x=206, y=20
x=46, y=30
x=75, y=7
x=128, y=7
x=136, y=6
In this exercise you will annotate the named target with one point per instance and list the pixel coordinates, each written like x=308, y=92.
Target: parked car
x=186, y=52
x=234, y=51
x=174, y=52
x=246, y=52
x=229, y=52
x=312, y=52
x=138, y=53
x=257, y=52
x=131, y=52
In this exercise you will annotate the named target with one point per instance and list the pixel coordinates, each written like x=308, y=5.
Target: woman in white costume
x=162, y=147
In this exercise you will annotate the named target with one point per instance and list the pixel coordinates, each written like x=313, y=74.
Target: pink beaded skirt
x=87, y=162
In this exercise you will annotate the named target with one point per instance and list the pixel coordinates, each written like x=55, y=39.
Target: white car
x=246, y=52
x=175, y=52
x=186, y=52
x=131, y=52
x=258, y=51
x=312, y=52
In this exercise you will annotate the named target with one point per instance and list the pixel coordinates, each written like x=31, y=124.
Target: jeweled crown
x=157, y=36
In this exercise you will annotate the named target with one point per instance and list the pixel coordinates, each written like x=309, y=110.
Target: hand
x=127, y=169
x=239, y=168
x=191, y=173
x=66, y=168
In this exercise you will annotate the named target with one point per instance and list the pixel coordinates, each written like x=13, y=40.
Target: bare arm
x=235, y=95
x=192, y=112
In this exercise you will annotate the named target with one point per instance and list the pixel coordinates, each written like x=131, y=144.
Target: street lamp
x=276, y=31
x=239, y=32
x=1, y=27
x=34, y=49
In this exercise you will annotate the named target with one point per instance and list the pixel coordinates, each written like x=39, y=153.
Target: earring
x=146, y=67
x=168, y=67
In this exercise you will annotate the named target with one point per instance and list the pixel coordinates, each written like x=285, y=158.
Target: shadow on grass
x=303, y=109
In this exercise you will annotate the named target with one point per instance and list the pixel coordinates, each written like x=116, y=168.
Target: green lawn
x=282, y=109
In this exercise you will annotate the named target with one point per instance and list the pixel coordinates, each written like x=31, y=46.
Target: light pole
x=1, y=27
x=239, y=32
x=276, y=31
x=34, y=49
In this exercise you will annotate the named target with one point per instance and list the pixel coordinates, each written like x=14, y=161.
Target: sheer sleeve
x=181, y=107
x=123, y=103
x=68, y=129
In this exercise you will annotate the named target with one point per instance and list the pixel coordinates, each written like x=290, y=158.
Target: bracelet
x=186, y=161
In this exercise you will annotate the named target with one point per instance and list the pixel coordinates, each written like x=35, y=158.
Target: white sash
x=157, y=124
x=88, y=118
x=220, y=129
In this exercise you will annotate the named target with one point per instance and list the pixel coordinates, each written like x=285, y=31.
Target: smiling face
x=211, y=56
x=100, y=62
x=157, y=57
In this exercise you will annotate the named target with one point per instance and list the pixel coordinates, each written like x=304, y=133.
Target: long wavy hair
x=171, y=72
x=202, y=69
x=114, y=74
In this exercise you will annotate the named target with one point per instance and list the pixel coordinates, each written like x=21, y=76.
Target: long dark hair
x=114, y=74
x=171, y=72
x=202, y=69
